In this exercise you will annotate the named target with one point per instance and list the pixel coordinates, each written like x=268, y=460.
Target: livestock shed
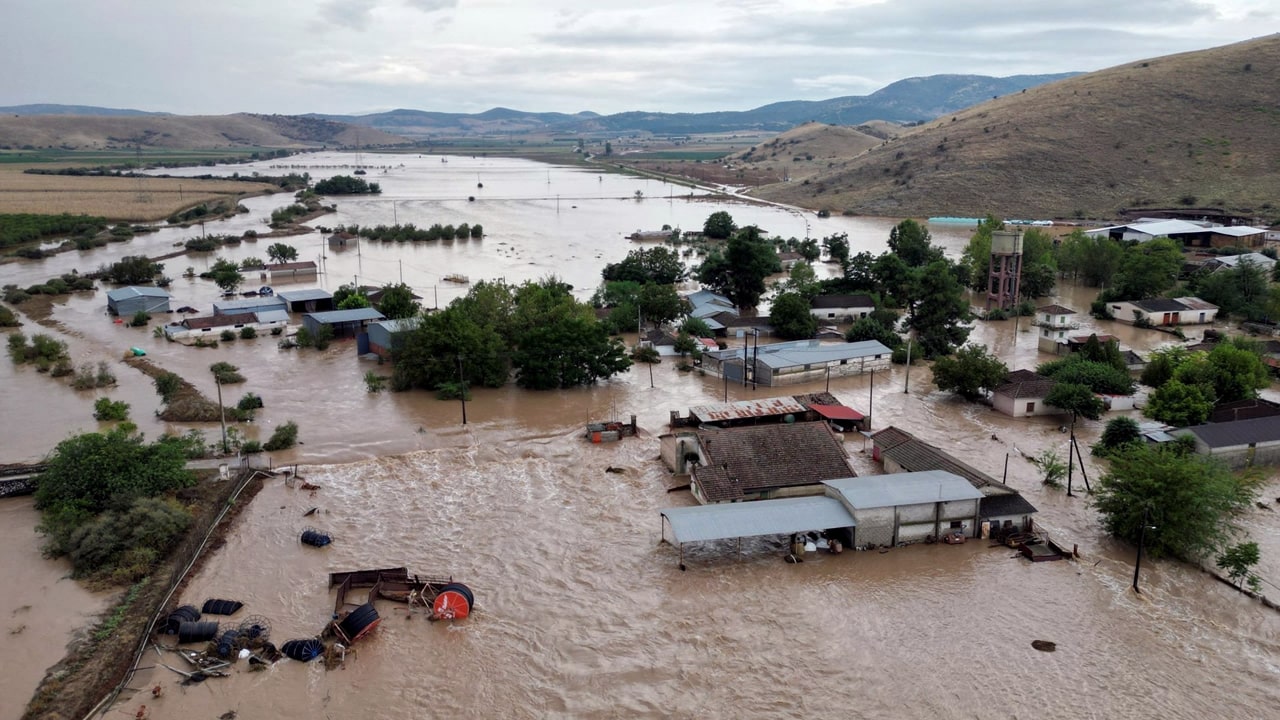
x=841, y=308
x=248, y=305
x=307, y=300
x=290, y=270
x=1006, y=510
x=907, y=507
x=386, y=336
x=210, y=325
x=1239, y=443
x=344, y=323
x=128, y=301
x=799, y=361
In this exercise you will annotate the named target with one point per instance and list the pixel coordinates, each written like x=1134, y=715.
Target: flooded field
x=581, y=611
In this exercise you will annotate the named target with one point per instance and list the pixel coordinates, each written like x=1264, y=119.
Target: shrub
x=125, y=544
x=453, y=391
x=62, y=368
x=226, y=373
x=248, y=333
x=284, y=437
x=140, y=319
x=192, y=445
x=250, y=447
x=250, y=401
x=87, y=377
x=167, y=386
x=646, y=354
x=1051, y=464
x=277, y=331
x=374, y=382
x=105, y=409
x=304, y=338
x=323, y=337
x=227, y=335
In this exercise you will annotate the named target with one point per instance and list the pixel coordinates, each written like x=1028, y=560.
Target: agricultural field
x=128, y=199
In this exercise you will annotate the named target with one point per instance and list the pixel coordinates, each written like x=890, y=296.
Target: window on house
x=844, y=362
x=956, y=524
x=830, y=315
x=1031, y=407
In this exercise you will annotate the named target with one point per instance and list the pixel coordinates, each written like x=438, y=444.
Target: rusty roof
x=891, y=437
x=747, y=409
x=761, y=457
x=1024, y=384
x=1055, y=310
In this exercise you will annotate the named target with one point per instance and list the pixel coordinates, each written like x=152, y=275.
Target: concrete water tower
x=1005, y=272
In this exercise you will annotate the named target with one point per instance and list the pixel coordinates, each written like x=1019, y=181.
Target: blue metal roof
x=895, y=489
x=340, y=316
x=270, y=316
x=304, y=295
x=396, y=325
x=761, y=517
x=125, y=293
x=228, y=307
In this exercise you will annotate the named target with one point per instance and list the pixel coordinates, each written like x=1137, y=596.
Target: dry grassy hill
x=810, y=150
x=1193, y=129
x=204, y=132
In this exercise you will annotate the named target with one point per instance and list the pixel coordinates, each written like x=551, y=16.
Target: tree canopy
x=1098, y=376
x=1148, y=269
x=133, y=270
x=719, y=225
x=970, y=373
x=647, y=265
x=910, y=241
x=346, y=185
x=226, y=275
x=281, y=253
x=397, y=302
x=938, y=309
x=1191, y=500
x=1076, y=399
x=791, y=318
x=740, y=271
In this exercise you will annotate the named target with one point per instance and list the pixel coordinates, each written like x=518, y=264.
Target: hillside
x=1195, y=129
x=806, y=152
x=910, y=100
x=77, y=132
x=55, y=109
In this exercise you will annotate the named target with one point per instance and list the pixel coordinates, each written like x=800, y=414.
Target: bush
x=304, y=338
x=140, y=319
x=374, y=382
x=87, y=377
x=453, y=391
x=646, y=354
x=226, y=373
x=284, y=437
x=62, y=368
x=250, y=401
x=250, y=447
x=106, y=409
x=167, y=386
x=248, y=333
x=323, y=337
x=227, y=335
x=192, y=445
x=125, y=545
x=7, y=318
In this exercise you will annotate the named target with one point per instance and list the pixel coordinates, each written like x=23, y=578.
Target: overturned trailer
x=447, y=599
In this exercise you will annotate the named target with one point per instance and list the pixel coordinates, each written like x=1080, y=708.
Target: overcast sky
x=357, y=56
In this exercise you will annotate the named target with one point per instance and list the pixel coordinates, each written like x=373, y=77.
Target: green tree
x=1148, y=269
x=837, y=247
x=281, y=253
x=719, y=225
x=660, y=304
x=397, y=302
x=226, y=373
x=559, y=343
x=652, y=265
x=353, y=301
x=1190, y=499
x=1118, y=433
x=1094, y=260
x=346, y=185
x=739, y=273
x=910, y=241
x=430, y=354
x=1238, y=561
x=132, y=270
x=226, y=275
x=938, y=310
x=791, y=318
x=1162, y=364
x=283, y=437
x=1237, y=373
x=1076, y=399
x=106, y=409
x=870, y=328
x=88, y=473
x=977, y=254
x=970, y=373
x=696, y=327
x=1100, y=377
x=809, y=250
x=685, y=343
x=894, y=279
x=1180, y=404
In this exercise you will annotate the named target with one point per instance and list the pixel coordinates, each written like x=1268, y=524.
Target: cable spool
x=255, y=629
x=315, y=538
x=228, y=643
x=196, y=632
x=303, y=650
x=221, y=607
x=184, y=614
x=360, y=622
x=453, y=603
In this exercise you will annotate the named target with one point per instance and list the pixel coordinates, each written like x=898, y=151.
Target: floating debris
x=215, y=606
x=315, y=538
x=1044, y=645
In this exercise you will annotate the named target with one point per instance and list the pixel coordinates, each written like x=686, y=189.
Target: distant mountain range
x=906, y=101
x=911, y=100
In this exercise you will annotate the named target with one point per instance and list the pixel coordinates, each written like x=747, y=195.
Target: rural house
x=1239, y=443
x=841, y=308
x=1164, y=311
x=248, y=305
x=1190, y=234
x=755, y=462
x=1054, y=322
x=1023, y=394
x=213, y=325
x=277, y=272
x=796, y=362
x=128, y=301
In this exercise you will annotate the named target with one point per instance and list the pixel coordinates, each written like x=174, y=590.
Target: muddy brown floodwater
x=581, y=611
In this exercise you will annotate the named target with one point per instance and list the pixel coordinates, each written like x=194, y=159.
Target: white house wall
x=875, y=526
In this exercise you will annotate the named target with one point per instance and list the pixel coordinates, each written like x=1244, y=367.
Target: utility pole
x=462, y=391
x=906, y=385
x=871, y=402
x=1142, y=539
x=222, y=413
x=1071, y=458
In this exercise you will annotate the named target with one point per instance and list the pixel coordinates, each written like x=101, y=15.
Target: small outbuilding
x=344, y=323
x=290, y=270
x=307, y=300
x=1164, y=311
x=1023, y=394
x=387, y=336
x=1240, y=443
x=127, y=301
x=907, y=507
x=248, y=305
x=841, y=308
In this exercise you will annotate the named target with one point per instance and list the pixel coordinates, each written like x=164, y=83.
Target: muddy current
x=581, y=610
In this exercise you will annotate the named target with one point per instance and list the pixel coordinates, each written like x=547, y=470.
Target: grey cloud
x=429, y=6
x=353, y=14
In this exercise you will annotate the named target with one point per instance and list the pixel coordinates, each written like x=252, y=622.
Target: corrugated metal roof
x=1196, y=303
x=270, y=316
x=778, y=357
x=1055, y=310
x=1238, y=231
x=340, y=316
x=1238, y=432
x=746, y=409
x=762, y=517
x=841, y=301
x=396, y=325
x=1005, y=504
x=877, y=491
x=305, y=294
x=301, y=265
x=836, y=412
x=228, y=307
x=125, y=293
x=1153, y=305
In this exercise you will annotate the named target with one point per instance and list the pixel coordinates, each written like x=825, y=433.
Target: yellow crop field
x=115, y=198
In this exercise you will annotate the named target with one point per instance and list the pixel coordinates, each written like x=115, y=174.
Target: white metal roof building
x=129, y=300
x=727, y=521
x=799, y=361
x=908, y=507
x=1190, y=233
